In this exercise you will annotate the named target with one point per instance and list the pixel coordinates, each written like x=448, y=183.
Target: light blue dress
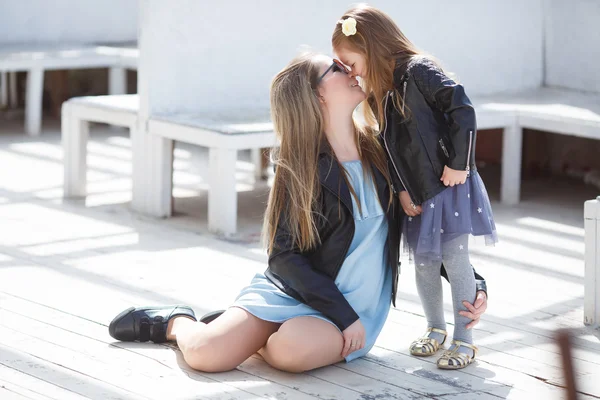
x=364, y=279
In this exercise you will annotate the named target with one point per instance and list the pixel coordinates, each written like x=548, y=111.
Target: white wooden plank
x=509, y=369
x=592, y=263
x=36, y=387
x=3, y=89
x=532, y=360
x=75, y=135
x=222, y=196
x=169, y=372
x=33, y=101
x=401, y=378
x=316, y=383
x=7, y=393
x=117, y=81
x=512, y=143
x=65, y=377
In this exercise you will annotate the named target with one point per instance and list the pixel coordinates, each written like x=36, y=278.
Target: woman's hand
x=407, y=205
x=354, y=338
x=452, y=177
x=476, y=310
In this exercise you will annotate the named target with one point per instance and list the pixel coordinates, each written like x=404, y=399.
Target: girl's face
x=337, y=87
x=355, y=61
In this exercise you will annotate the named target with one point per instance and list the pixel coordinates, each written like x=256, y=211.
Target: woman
x=333, y=237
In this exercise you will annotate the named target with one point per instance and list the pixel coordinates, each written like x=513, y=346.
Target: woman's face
x=337, y=88
x=355, y=61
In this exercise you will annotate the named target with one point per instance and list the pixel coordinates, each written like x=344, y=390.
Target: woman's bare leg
x=223, y=344
x=302, y=344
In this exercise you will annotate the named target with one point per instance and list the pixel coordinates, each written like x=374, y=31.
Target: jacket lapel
x=330, y=177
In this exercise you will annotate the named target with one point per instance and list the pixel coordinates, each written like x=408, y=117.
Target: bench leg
x=117, y=80
x=3, y=89
x=75, y=134
x=256, y=156
x=33, y=102
x=591, y=303
x=222, y=195
x=12, y=89
x=153, y=170
x=512, y=146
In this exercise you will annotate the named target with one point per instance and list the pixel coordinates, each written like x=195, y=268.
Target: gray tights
x=455, y=255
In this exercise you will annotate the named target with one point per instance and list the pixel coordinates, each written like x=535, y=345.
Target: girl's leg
x=456, y=259
x=302, y=344
x=429, y=287
x=223, y=344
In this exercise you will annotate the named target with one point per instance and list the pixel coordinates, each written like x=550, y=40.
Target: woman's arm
x=293, y=272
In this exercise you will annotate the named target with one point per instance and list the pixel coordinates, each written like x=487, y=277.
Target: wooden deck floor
x=66, y=268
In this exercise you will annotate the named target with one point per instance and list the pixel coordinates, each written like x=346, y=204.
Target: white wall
x=573, y=44
x=210, y=55
x=67, y=20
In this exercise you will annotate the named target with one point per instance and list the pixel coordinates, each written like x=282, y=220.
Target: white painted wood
x=222, y=200
x=158, y=186
x=75, y=134
x=224, y=135
x=256, y=157
x=76, y=115
x=33, y=101
x=37, y=58
x=162, y=364
x=12, y=90
x=210, y=135
x=553, y=110
x=117, y=81
x=21, y=57
x=32, y=387
x=3, y=89
x=592, y=263
x=512, y=144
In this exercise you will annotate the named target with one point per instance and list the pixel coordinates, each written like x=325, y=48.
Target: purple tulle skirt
x=459, y=210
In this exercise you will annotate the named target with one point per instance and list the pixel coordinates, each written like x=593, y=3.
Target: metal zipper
x=444, y=148
x=388, y=149
x=468, y=168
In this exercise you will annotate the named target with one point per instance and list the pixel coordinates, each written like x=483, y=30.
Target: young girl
x=428, y=128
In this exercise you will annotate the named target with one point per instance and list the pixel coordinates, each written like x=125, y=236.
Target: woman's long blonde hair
x=299, y=126
x=383, y=45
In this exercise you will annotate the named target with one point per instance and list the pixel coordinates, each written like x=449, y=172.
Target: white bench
x=37, y=58
x=559, y=111
x=153, y=166
x=591, y=308
x=223, y=134
x=77, y=113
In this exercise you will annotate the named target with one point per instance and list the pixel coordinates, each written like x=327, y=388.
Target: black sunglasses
x=336, y=66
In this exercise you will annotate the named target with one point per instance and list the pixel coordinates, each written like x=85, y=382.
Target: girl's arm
x=449, y=97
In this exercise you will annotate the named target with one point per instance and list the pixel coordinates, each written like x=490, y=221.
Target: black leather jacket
x=439, y=129
x=309, y=277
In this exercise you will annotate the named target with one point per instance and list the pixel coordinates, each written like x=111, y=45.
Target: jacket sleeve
x=449, y=97
x=292, y=272
x=480, y=284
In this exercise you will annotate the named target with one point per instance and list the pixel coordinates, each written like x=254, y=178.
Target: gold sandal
x=427, y=346
x=454, y=359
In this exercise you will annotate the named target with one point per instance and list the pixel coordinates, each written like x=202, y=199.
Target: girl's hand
x=354, y=338
x=407, y=205
x=452, y=177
